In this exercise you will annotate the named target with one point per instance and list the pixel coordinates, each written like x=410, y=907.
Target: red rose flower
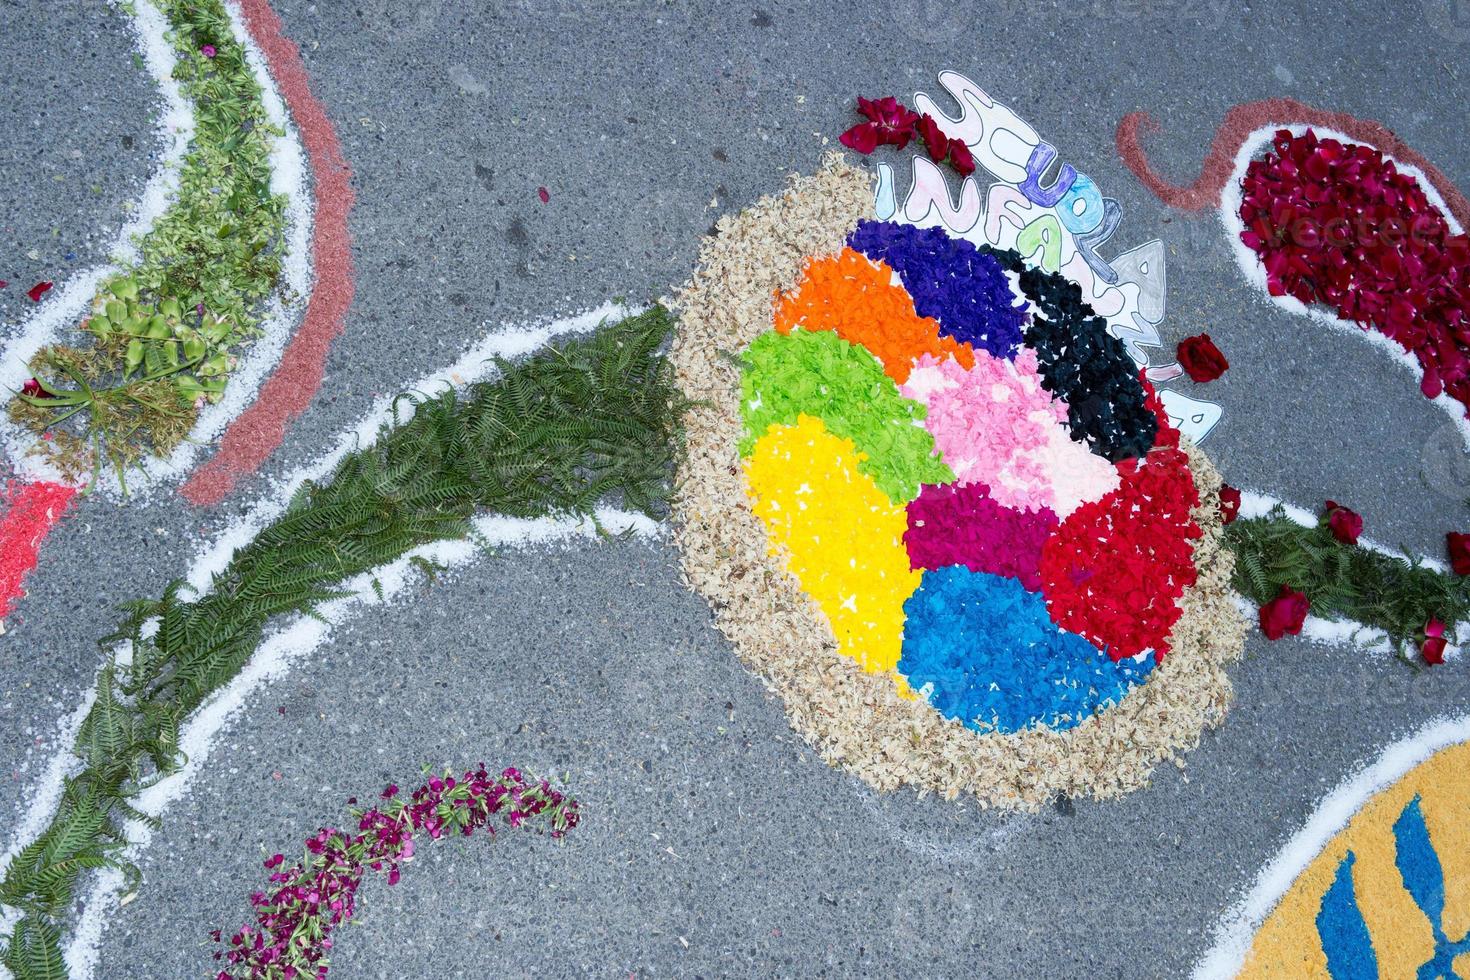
x=1459, y=546
x=1344, y=523
x=935, y=141
x=1432, y=649
x=1229, y=503
x=1201, y=359
x=1285, y=613
x=960, y=158
x=892, y=121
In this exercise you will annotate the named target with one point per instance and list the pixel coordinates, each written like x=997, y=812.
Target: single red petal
x=862, y=138
x=38, y=290
x=544, y=194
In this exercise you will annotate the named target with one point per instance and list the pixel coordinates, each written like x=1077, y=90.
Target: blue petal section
x=1343, y=932
x=984, y=650
x=951, y=281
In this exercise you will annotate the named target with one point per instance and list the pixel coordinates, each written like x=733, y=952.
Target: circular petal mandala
x=934, y=502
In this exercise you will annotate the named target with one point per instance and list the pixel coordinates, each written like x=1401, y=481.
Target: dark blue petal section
x=951, y=281
x=1083, y=364
x=1418, y=864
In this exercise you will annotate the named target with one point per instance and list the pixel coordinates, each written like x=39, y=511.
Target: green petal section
x=819, y=374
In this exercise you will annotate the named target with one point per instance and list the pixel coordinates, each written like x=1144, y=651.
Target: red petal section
x=38, y=290
x=1115, y=569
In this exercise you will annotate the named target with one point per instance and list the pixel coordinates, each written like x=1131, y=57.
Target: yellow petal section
x=842, y=536
x=1288, y=944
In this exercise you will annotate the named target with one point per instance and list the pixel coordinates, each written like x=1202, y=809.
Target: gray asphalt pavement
x=714, y=843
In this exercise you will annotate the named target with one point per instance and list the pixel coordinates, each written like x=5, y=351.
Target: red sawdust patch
x=31, y=510
x=1248, y=117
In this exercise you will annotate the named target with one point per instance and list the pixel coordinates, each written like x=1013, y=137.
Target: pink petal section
x=995, y=424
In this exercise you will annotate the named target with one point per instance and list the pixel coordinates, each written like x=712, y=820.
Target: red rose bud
x=1432, y=649
x=961, y=158
x=1285, y=614
x=1201, y=359
x=1459, y=547
x=1344, y=523
x=1229, y=503
x=33, y=389
x=934, y=139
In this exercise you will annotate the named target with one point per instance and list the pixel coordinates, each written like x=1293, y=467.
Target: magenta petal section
x=964, y=525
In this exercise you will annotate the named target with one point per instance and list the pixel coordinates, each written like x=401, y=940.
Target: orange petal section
x=859, y=300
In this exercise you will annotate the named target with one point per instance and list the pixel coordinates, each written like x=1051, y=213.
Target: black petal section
x=1084, y=365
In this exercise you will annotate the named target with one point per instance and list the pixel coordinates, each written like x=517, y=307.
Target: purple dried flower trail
x=291, y=936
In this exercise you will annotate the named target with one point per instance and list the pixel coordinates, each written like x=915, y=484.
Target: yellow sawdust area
x=1287, y=944
x=841, y=536
x=855, y=719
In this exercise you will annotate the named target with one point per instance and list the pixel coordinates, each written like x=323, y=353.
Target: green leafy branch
x=1397, y=595
x=205, y=268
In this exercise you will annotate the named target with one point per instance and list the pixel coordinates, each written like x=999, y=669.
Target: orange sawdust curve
x=859, y=301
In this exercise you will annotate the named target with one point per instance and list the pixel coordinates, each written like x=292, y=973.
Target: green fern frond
x=556, y=434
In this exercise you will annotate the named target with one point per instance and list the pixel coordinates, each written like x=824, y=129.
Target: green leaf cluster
x=819, y=374
x=590, y=421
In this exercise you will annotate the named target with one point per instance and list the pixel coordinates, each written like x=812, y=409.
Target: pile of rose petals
x=1337, y=223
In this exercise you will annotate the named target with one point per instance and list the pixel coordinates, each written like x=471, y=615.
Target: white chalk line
x=288, y=177
x=1237, y=928
x=1254, y=270
x=1335, y=633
